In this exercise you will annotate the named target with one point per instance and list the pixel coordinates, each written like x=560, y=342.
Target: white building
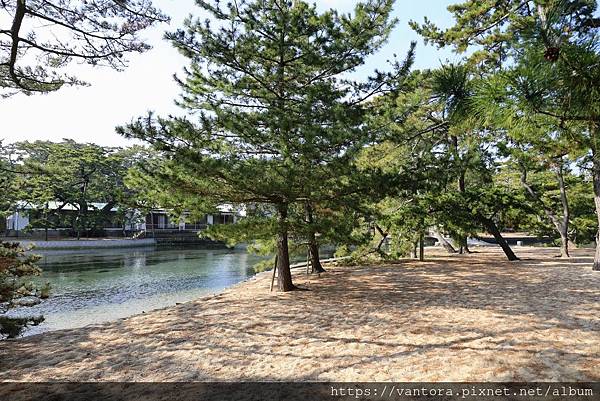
x=156, y=220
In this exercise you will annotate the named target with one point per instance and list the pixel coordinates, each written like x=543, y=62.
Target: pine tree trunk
x=561, y=225
x=462, y=185
x=312, y=241
x=564, y=226
x=384, y=236
x=493, y=229
x=314, y=258
x=447, y=246
x=413, y=250
x=564, y=246
x=422, y=247
x=284, y=274
x=596, y=179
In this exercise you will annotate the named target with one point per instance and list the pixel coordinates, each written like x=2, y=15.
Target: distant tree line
x=46, y=178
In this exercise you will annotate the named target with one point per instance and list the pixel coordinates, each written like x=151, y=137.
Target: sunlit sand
x=452, y=318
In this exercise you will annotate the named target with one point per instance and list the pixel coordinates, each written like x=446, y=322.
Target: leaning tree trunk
x=384, y=236
x=447, y=245
x=313, y=246
x=493, y=229
x=596, y=179
x=284, y=274
x=466, y=245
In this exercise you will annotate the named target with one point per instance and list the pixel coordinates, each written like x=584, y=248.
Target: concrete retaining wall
x=99, y=243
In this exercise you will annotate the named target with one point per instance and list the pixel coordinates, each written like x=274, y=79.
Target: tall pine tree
x=279, y=119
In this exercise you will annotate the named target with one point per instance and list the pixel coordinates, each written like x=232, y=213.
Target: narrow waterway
x=95, y=286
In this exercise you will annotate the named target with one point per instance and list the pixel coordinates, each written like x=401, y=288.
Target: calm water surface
x=94, y=286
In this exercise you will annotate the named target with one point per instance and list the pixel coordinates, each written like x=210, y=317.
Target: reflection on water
x=94, y=286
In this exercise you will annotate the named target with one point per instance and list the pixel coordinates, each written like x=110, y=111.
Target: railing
x=196, y=227
x=176, y=227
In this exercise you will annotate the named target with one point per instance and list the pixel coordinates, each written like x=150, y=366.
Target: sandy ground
x=452, y=318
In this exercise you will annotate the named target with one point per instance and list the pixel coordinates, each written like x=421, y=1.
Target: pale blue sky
x=90, y=114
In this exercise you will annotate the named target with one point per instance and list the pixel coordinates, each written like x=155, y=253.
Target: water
x=95, y=286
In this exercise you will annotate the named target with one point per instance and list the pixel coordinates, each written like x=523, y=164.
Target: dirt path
x=452, y=318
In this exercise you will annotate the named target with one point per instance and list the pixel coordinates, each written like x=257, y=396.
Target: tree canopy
x=41, y=37
x=279, y=119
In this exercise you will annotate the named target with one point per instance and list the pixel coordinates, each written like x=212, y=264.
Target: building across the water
x=160, y=221
x=57, y=220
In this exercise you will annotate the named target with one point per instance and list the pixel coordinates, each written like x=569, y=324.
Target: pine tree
x=279, y=118
x=537, y=152
x=550, y=52
x=444, y=151
x=15, y=267
x=40, y=37
x=494, y=29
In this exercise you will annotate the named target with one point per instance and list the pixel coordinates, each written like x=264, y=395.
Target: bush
x=15, y=267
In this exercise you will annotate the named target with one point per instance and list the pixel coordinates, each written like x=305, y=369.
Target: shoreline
x=134, y=315
x=451, y=318
x=97, y=285
x=111, y=243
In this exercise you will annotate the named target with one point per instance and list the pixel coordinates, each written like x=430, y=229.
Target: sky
x=90, y=114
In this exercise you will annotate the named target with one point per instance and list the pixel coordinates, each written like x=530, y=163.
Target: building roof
x=240, y=210
x=54, y=205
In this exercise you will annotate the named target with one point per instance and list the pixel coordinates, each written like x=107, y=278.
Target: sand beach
x=471, y=317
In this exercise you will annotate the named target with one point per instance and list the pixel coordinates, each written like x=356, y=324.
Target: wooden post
x=274, y=270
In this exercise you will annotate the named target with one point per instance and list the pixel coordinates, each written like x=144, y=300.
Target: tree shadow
x=463, y=317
